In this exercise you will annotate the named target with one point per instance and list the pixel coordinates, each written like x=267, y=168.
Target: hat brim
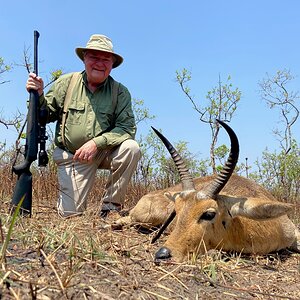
x=118, y=58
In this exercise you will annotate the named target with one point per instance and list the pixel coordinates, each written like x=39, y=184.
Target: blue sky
x=243, y=39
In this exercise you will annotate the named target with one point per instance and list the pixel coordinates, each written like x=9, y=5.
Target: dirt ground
x=82, y=258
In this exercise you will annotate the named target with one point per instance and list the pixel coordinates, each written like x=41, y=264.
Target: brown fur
x=155, y=207
x=247, y=219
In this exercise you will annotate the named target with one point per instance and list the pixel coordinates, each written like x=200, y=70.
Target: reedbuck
x=226, y=212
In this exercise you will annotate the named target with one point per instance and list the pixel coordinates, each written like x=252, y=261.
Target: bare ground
x=82, y=258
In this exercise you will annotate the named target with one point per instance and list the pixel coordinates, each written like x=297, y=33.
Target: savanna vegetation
x=46, y=257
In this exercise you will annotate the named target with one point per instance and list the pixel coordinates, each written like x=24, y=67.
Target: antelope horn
x=218, y=184
x=164, y=226
x=184, y=173
x=185, y=177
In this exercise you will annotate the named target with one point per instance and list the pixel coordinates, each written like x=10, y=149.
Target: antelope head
x=201, y=222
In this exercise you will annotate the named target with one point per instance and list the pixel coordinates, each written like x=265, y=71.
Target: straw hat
x=101, y=43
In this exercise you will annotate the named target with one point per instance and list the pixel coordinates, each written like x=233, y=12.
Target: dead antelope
x=225, y=211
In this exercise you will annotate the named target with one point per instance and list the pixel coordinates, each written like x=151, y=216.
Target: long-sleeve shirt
x=90, y=115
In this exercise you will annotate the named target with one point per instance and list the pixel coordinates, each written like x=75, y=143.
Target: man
x=96, y=130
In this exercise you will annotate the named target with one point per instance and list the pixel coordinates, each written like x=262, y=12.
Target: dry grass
x=81, y=258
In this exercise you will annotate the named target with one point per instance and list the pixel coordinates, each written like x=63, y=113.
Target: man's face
x=98, y=66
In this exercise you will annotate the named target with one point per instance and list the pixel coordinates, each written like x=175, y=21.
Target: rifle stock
x=23, y=186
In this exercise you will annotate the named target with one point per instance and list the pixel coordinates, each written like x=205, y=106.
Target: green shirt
x=90, y=115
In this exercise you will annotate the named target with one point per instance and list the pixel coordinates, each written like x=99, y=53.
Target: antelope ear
x=170, y=196
x=174, y=196
x=256, y=208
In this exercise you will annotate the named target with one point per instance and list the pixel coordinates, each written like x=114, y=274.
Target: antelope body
x=226, y=212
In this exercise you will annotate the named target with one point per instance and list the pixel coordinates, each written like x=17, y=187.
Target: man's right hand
x=36, y=83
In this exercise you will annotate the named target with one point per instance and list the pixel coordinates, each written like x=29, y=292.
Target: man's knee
x=133, y=147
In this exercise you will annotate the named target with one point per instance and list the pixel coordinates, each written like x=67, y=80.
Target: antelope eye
x=207, y=216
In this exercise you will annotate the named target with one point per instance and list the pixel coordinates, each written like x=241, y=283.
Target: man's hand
x=86, y=152
x=36, y=83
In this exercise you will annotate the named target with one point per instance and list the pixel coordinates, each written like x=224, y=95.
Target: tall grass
x=9, y=232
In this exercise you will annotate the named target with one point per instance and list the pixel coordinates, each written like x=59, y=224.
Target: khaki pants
x=76, y=179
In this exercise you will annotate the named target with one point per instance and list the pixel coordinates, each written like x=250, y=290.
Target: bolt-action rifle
x=35, y=139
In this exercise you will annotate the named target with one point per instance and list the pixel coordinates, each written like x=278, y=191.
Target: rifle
x=35, y=135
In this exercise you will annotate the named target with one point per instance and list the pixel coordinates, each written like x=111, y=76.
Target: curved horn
x=185, y=176
x=218, y=184
x=163, y=227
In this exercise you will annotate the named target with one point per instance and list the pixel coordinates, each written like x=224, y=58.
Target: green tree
x=275, y=92
x=156, y=169
x=141, y=113
x=222, y=103
x=3, y=69
x=7, y=122
x=280, y=172
x=274, y=175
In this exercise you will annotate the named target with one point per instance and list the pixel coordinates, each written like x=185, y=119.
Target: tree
x=274, y=175
x=3, y=69
x=280, y=172
x=54, y=75
x=156, y=168
x=274, y=90
x=17, y=118
x=222, y=104
x=141, y=113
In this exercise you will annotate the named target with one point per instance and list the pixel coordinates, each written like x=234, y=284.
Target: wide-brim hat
x=101, y=43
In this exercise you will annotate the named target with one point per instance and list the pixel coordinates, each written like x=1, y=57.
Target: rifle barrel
x=23, y=188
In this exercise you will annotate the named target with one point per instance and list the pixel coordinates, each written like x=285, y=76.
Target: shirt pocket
x=76, y=113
